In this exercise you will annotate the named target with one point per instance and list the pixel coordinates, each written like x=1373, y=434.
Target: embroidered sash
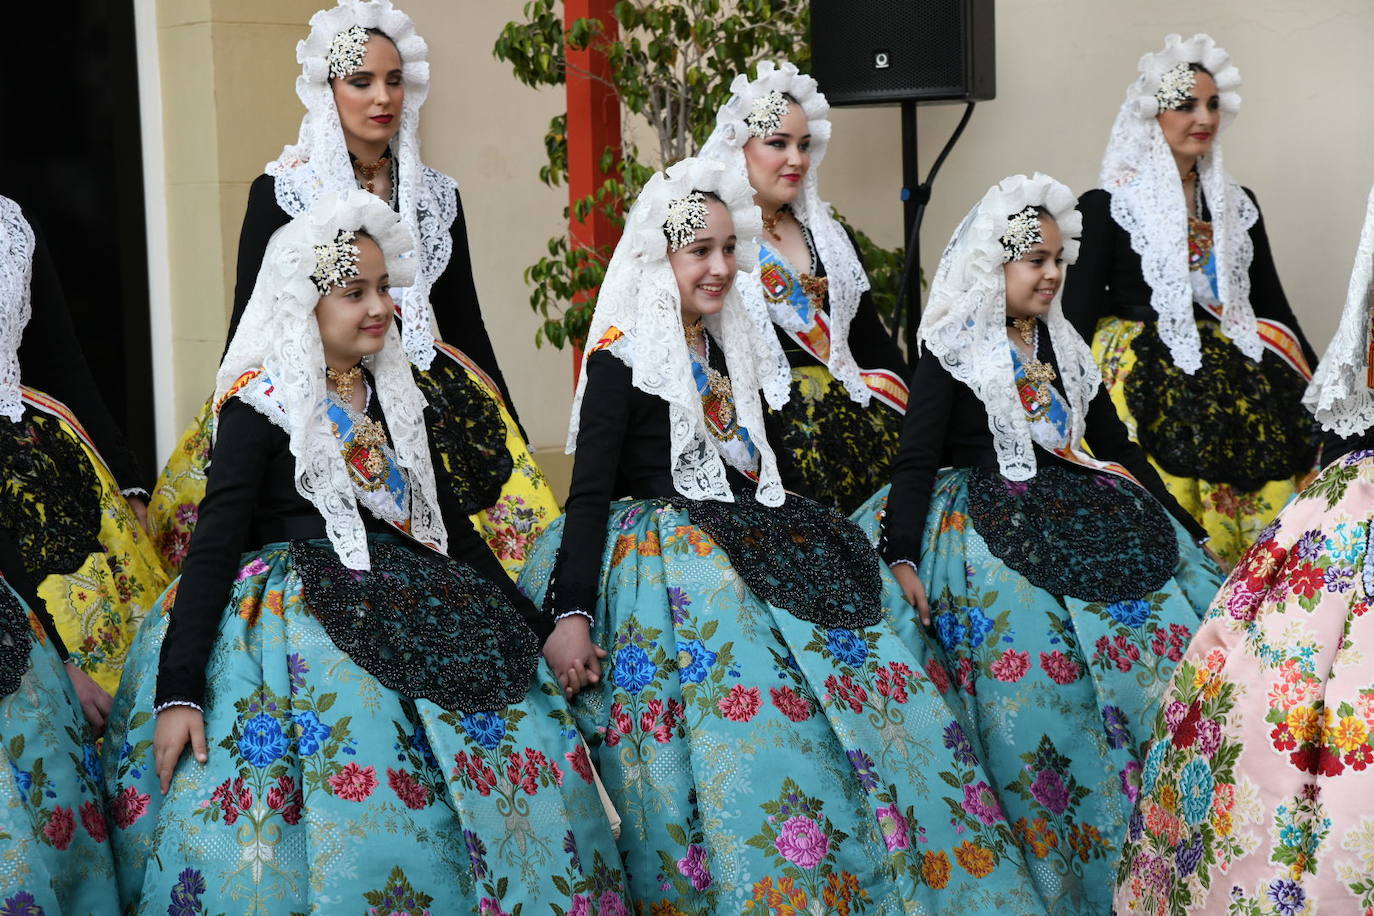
x=781, y=285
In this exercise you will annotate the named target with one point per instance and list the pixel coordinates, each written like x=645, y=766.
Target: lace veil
x=639, y=296
x=965, y=327
x=1339, y=395
x=278, y=332
x=846, y=276
x=16, y=274
x=318, y=161
x=1139, y=171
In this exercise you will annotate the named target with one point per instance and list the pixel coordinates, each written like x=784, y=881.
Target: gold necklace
x=369, y=171
x=344, y=381
x=1026, y=327
x=716, y=383
x=770, y=223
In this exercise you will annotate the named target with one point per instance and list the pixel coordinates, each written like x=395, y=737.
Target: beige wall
x=1301, y=141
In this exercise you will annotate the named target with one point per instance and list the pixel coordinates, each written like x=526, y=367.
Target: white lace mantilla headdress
x=1141, y=174
x=965, y=320
x=279, y=333
x=16, y=276
x=318, y=161
x=1339, y=395
x=639, y=296
x=845, y=274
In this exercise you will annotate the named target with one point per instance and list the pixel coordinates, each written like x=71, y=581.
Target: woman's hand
x=95, y=702
x=913, y=589
x=140, y=507
x=572, y=655
x=176, y=726
x=1221, y=564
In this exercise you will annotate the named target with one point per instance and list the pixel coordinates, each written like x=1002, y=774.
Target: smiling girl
x=1062, y=584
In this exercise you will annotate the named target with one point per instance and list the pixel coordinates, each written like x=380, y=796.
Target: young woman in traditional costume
x=1176, y=290
x=352, y=675
x=1063, y=585
x=836, y=435
x=766, y=736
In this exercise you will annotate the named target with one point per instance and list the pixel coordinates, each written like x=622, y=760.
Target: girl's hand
x=95, y=701
x=913, y=589
x=1221, y=564
x=572, y=655
x=176, y=726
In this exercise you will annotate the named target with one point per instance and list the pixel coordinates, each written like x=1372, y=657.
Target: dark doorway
x=71, y=156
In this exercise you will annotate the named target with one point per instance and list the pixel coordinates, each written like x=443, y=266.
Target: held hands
x=913, y=589
x=95, y=702
x=572, y=655
x=176, y=726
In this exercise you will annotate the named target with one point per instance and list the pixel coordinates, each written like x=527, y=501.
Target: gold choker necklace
x=344, y=381
x=770, y=224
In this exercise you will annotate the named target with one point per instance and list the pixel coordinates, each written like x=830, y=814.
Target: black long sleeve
x=246, y=443
x=601, y=434
x=13, y=570
x=1086, y=287
x=919, y=456
x=1109, y=441
x=1266, y=292
x=261, y=218
x=50, y=360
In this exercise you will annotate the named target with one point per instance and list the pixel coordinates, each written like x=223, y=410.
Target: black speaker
x=874, y=52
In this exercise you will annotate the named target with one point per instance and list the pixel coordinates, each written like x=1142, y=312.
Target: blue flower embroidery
x=950, y=631
x=979, y=626
x=1153, y=762
x=263, y=742
x=1132, y=612
x=314, y=733
x=486, y=728
x=634, y=670
x=1288, y=896
x=694, y=661
x=848, y=646
x=1196, y=786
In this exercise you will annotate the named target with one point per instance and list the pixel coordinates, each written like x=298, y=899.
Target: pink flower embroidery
x=93, y=819
x=580, y=762
x=60, y=827
x=895, y=829
x=407, y=788
x=802, y=842
x=741, y=704
x=1011, y=666
x=354, y=783
x=790, y=703
x=128, y=806
x=1060, y=668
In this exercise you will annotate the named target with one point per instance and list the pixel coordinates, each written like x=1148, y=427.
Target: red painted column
x=593, y=127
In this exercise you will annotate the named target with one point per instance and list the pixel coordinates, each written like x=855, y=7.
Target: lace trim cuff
x=904, y=562
x=136, y=491
x=159, y=708
x=576, y=612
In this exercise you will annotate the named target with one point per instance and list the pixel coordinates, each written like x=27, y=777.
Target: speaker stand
x=915, y=196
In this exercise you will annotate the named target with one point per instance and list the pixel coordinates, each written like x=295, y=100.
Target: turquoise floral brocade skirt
x=54, y=854
x=326, y=791
x=1060, y=693
x=763, y=764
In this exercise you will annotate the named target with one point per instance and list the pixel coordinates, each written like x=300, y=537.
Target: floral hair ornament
x=1175, y=87
x=766, y=114
x=686, y=217
x=346, y=51
x=1023, y=233
x=336, y=262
